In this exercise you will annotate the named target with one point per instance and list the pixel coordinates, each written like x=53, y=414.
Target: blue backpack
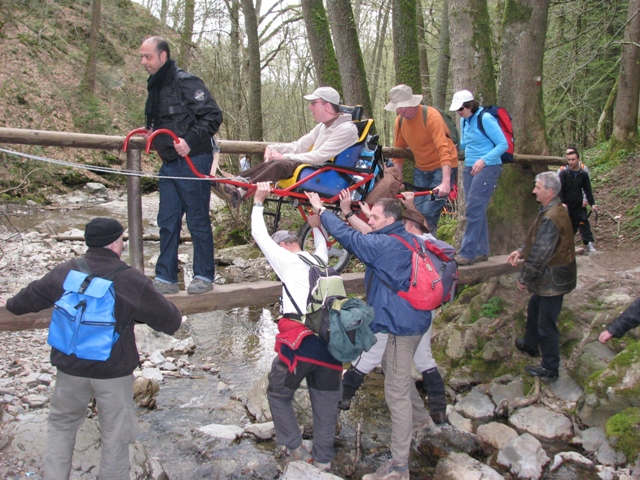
x=82, y=322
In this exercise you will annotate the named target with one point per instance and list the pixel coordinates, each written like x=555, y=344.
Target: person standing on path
x=110, y=382
x=180, y=102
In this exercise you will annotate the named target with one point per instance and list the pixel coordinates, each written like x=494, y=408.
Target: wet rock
x=223, y=432
x=523, y=456
x=144, y=392
x=440, y=442
x=261, y=431
x=461, y=423
x=152, y=374
x=506, y=388
x=492, y=436
x=613, y=389
x=570, y=457
x=594, y=441
x=476, y=406
x=542, y=423
x=304, y=471
x=459, y=466
x=256, y=400
x=595, y=356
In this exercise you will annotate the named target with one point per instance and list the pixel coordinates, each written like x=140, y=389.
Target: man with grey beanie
x=110, y=381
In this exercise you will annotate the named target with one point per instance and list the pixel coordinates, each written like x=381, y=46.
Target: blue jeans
x=477, y=194
x=431, y=209
x=178, y=197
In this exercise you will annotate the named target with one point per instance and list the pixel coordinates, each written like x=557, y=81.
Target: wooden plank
x=223, y=297
x=255, y=294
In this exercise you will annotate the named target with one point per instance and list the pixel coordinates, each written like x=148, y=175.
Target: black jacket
x=574, y=188
x=188, y=109
x=627, y=320
x=136, y=301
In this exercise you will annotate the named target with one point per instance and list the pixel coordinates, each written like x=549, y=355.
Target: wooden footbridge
x=254, y=294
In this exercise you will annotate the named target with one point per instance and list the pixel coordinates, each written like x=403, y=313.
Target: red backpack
x=434, y=274
x=504, y=120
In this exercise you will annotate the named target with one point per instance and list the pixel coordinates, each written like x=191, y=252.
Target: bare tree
x=186, y=43
x=319, y=38
x=255, y=82
x=442, y=73
x=89, y=78
x=381, y=26
x=625, y=116
x=350, y=61
x=422, y=50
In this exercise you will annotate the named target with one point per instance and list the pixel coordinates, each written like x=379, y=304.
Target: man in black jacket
x=180, y=102
x=576, y=193
x=627, y=320
x=110, y=382
x=549, y=272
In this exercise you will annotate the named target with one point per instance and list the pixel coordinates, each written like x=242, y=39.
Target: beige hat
x=459, y=98
x=402, y=96
x=327, y=94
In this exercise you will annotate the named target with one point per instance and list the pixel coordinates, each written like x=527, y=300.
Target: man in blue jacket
x=388, y=264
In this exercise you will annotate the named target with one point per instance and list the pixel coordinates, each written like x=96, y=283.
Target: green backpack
x=450, y=122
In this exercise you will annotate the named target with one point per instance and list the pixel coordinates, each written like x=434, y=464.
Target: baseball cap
x=459, y=98
x=327, y=94
x=282, y=235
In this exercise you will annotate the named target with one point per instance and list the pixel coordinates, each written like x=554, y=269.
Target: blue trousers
x=177, y=198
x=477, y=194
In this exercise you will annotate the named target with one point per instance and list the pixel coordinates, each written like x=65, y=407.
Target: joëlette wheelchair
x=356, y=169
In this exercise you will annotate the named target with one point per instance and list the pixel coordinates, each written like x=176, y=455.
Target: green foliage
x=622, y=431
x=492, y=308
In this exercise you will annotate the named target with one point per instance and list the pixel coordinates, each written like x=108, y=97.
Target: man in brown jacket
x=549, y=272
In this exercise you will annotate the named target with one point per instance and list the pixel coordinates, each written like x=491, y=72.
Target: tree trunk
x=625, y=115
x=163, y=11
x=319, y=38
x=89, y=79
x=187, y=33
x=255, y=82
x=350, y=61
x=405, y=44
x=605, y=122
x=382, y=23
x=470, y=35
x=236, y=129
x=442, y=74
x=424, y=61
x=524, y=29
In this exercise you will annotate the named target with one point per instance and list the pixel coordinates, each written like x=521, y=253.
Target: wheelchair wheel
x=338, y=256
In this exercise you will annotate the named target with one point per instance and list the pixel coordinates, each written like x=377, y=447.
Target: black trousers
x=580, y=221
x=542, y=328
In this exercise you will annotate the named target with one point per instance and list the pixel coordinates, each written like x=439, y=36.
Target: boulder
x=523, y=456
x=542, y=423
x=492, y=436
x=460, y=466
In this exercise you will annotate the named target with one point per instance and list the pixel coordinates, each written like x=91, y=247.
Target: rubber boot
x=351, y=382
x=436, y=398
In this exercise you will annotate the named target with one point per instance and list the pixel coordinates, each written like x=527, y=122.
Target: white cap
x=402, y=96
x=459, y=98
x=327, y=94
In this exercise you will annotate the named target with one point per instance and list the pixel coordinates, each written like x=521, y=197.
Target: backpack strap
x=415, y=249
x=320, y=263
x=481, y=126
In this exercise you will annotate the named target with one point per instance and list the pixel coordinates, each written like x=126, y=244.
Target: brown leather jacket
x=549, y=253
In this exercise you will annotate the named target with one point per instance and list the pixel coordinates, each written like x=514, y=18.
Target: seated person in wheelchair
x=334, y=133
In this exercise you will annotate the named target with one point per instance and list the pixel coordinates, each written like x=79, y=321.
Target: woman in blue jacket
x=482, y=167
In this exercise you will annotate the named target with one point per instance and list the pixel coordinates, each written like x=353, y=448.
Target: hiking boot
x=344, y=404
x=389, y=471
x=351, y=382
x=436, y=397
x=589, y=248
x=540, y=371
x=198, y=286
x=463, y=261
x=299, y=454
x=228, y=193
x=165, y=288
x=482, y=258
x=524, y=348
x=439, y=417
x=322, y=466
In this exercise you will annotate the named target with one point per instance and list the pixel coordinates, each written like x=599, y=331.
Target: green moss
x=629, y=356
x=492, y=308
x=468, y=293
x=622, y=431
x=515, y=11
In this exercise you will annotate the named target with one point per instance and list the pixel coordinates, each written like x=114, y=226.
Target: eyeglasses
x=461, y=108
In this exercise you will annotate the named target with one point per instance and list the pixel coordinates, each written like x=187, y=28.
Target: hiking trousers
x=406, y=407
x=118, y=424
x=542, y=328
x=324, y=385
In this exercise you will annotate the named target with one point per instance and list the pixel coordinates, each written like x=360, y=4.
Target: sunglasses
x=461, y=108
